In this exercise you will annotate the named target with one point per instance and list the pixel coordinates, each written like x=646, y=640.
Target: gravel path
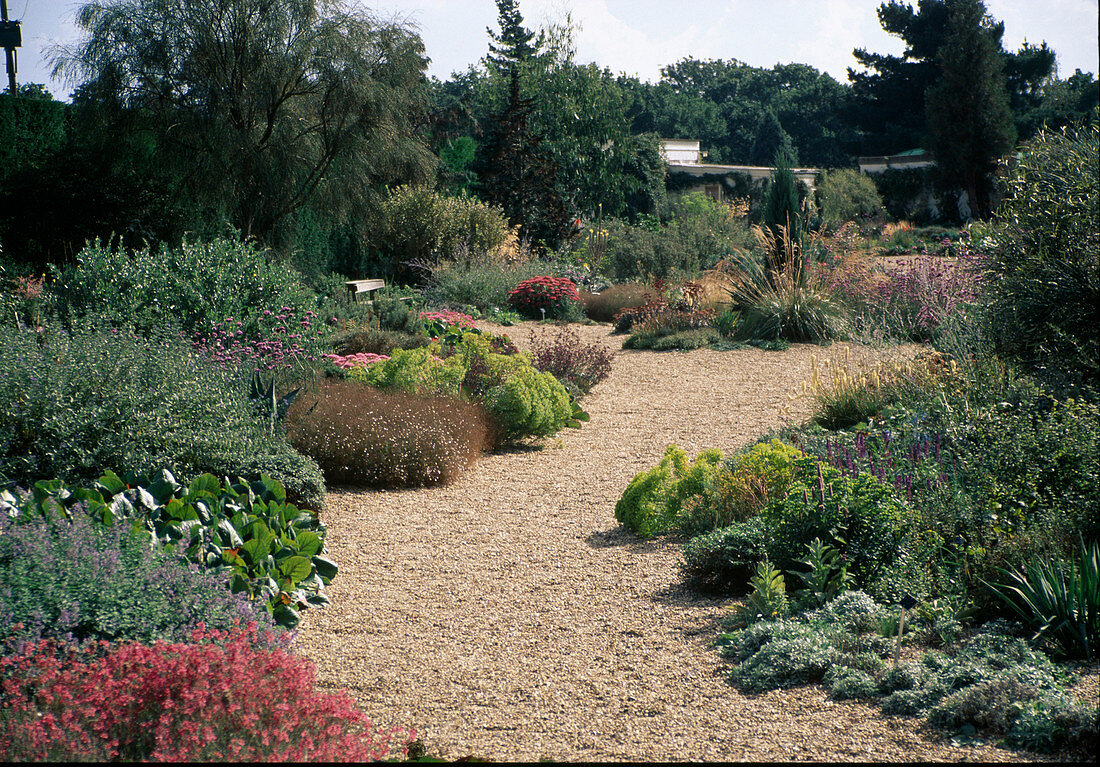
x=507, y=616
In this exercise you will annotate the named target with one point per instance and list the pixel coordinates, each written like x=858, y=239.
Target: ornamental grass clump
x=361, y=436
x=793, y=301
x=215, y=698
x=603, y=306
x=554, y=297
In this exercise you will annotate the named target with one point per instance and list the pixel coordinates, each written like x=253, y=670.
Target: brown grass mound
x=603, y=306
x=365, y=437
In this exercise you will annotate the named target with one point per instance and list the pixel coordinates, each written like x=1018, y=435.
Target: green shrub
x=521, y=401
x=723, y=560
x=264, y=546
x=374, y=341
x=652, y=501
x=73, y=578
x=859, y=516
x=482, y=286
x=844, y=195
x=420, y=226
x=699, y=233
x=194, y=286
x=76, y=404
x=364, y=437
x=413, y=370
x=795, y=654
x=742, y=488
x=1042, y=264
x=603, y=306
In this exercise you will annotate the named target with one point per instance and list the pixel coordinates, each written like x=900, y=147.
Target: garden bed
x=507, y=615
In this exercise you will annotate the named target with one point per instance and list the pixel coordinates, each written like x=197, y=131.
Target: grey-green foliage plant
x=995, y=683
x=263, y=546
x=64, y=578
x=74, y=404
x=844, y=195
x=1059, y=599
x=1042, y=259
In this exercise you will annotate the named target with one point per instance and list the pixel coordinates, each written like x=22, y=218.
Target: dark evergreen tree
x=771, y=140
x=889, y=99
x=969, y=121
x=518, y=174
x=515, y=44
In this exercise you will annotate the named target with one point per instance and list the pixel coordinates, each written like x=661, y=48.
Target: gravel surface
x=507, y=616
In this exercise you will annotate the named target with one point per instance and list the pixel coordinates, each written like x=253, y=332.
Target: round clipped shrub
x=558, y=296
x=722, y=561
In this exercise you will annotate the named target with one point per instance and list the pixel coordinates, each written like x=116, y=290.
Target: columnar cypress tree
x=781, y=209
x=970, y=125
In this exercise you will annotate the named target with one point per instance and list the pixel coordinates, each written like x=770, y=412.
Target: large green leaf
x=309, y=543
x=326, y=568
x=295, y=568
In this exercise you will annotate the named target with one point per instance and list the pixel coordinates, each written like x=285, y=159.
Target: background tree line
x=288, y=121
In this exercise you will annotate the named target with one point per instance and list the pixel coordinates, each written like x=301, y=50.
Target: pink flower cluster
x=228, y=344
x=349, y=361
x=449, y=317
x=543, y=292
x=218, y=699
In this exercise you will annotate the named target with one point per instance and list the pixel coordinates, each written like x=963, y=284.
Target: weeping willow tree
x=261, y=106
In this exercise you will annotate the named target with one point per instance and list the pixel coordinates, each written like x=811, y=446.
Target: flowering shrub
x=577, y=365
x=283, y=339
x=554, y=294
x=217, y=699
x=448, y=318
x=65, y=579
x=349, y=361
x=652, y=501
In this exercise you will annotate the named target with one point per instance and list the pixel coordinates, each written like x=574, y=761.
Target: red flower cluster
x=218, y=699
x=543, y=292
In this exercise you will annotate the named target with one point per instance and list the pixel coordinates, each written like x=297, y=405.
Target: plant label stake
x=907, y=603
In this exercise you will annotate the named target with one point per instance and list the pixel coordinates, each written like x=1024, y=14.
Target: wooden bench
x=355, y=287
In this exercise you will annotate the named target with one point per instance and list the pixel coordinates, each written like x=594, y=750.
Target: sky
x=638, y=37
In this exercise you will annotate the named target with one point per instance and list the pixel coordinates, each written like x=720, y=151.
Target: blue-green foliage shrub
x=70, y=578
x=74, y=404
x=653, y=500
x=793, y=651
x=261, y=545
x=193, y=286
x=999, y=685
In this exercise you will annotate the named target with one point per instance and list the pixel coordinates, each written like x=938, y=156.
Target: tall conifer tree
x=970, y=124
